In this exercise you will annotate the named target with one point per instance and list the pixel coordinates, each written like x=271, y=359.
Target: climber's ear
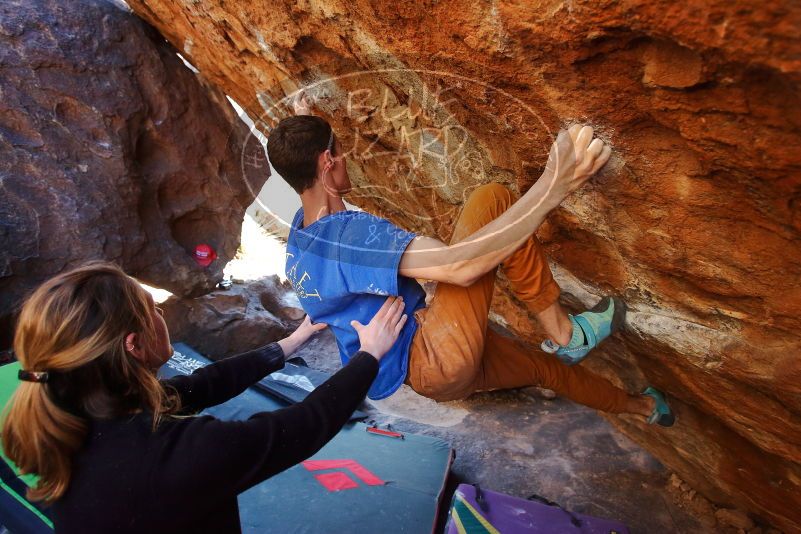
x=329, y=159
x=324, y=162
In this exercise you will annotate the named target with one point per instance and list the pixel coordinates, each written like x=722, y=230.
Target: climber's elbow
x=429, y=259
x=458, y=273
x=464, y=273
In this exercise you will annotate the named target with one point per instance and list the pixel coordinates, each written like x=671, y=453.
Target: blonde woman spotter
x=104, y=435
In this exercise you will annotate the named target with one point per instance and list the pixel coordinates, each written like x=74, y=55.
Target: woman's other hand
x=307, y=329
x=382, y=331
x=297, y=338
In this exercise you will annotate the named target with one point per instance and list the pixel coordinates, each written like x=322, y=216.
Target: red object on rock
x=204, y=255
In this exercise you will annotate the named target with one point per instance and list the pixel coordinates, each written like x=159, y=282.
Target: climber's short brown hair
x=294, y=145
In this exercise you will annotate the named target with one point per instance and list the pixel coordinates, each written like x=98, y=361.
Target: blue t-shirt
x=342, y=268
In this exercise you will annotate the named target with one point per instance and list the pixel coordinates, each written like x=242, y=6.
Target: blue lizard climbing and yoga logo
x=418, y=141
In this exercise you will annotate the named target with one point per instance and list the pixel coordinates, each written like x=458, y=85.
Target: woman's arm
x=229, y=457
x=297, y=338
x=225, y=379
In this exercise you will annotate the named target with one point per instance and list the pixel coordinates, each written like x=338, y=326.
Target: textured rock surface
x=111, y=148
x=227, y=322
x=696, y=220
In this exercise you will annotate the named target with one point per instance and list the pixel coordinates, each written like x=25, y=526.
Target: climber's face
x=335, y=170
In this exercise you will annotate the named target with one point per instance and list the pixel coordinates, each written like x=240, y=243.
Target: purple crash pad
x=478, y=511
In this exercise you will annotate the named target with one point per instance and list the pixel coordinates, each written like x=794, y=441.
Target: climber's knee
x=445, y=393
x=443, y=384
x=492, y=195
x=484, y=204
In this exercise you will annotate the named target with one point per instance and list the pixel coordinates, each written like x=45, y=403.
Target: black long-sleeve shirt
x=185, y=476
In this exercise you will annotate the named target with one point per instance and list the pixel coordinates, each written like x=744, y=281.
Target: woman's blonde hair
x=73, y=327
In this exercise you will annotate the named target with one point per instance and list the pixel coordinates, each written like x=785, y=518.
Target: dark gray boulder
x=110, y=148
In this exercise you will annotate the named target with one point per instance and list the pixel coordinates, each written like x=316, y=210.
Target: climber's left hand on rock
x=575, y=156
x=300, y=103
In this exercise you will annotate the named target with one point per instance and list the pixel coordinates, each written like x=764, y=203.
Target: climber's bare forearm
x=464, y=262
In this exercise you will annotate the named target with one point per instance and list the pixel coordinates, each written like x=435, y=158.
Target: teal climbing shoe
x=589, y=329
x=662, y=414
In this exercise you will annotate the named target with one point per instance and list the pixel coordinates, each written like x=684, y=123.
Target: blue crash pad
x=361, y=481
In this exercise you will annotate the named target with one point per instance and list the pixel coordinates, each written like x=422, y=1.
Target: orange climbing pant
x=454, y=354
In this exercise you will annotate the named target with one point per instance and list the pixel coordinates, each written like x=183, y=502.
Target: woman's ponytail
x=42, y=438
x=72, y=330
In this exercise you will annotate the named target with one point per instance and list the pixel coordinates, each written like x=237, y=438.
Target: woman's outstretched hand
x=382, y=331
x=307, y=329
x=297, y=338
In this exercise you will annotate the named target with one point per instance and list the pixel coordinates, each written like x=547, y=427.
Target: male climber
x=343, y=264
